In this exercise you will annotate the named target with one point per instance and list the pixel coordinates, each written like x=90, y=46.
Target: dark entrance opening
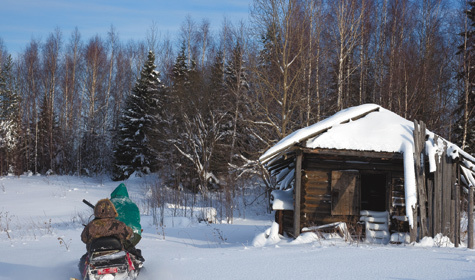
x=373, y=192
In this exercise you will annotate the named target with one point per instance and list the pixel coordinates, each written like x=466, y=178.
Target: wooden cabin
x=369, y=167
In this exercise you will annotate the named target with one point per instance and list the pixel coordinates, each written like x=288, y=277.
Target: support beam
x=419, y=146
x=298, y=193
x=470, y=218
x=457, y=204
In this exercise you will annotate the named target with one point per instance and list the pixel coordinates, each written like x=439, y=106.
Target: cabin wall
x=320, y=203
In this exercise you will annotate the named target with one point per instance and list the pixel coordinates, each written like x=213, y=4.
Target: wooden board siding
x=345, y=193
x=320, y=172
x=316, y=200
x=288, y=221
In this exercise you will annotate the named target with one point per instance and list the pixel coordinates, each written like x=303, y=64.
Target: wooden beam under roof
x=355, y=153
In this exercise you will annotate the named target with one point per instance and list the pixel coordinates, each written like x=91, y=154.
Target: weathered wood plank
x=453, y=216
x=298, y=193
x=470, y=218
x=457, y=205
x=336, y=165
x=447, y=188
x=419, y=143
x=345, y=195
x=437, y=194
x=430, y=206
x=355, y=153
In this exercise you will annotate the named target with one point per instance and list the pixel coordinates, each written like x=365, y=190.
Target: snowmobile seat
x=107, y=243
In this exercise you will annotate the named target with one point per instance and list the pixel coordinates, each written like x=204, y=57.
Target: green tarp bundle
x=128, y=211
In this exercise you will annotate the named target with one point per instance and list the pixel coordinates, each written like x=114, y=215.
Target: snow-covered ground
x=40, y=226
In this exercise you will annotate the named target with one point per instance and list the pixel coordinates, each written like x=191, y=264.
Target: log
x=316, y=191
x=320, y=176
x=317, y=185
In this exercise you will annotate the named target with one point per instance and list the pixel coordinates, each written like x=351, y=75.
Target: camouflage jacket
x=105, y=224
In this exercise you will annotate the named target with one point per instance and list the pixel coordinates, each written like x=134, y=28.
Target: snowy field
x=40, y=226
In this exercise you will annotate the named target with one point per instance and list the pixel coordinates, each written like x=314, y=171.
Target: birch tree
x=278, y=87
x=345, y=35
x=50, y=81
x=94, y=149
x=69, y=101
x=465, y=109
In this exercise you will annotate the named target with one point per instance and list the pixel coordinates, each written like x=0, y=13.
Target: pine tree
x=465, y=109
x=135, y=150
x=9, y=117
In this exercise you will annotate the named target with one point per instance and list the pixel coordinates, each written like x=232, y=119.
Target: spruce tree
x=134, y=149
x=9, y=117
x=179, y=109
x=237, y=86
x=219, y=103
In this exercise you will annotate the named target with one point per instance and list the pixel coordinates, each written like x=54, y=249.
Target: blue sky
x=22, y=20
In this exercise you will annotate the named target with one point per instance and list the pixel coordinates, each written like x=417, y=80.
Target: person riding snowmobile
x=129, y=213
x=105, y=224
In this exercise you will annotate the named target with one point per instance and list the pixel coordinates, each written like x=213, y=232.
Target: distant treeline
x=228, y=93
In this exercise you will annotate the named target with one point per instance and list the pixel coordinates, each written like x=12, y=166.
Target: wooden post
x=447, y=193
x=298, y=193
x=457, y=204
x=437, y=194
x=280, y=221
x=413, y=229
x=430, y=206
x=419, y=144
x=470, y=217
x=453, y=214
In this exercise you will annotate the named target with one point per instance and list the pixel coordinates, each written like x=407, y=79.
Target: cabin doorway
x=373, y=191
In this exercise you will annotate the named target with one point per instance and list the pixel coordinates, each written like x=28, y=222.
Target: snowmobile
x=107, y=259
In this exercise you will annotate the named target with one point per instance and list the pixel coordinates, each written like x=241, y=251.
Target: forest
x=200, y=109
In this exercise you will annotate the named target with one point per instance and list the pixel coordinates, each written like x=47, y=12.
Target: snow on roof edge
x=317, y=128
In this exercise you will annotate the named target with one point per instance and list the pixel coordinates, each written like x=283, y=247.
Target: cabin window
x=373, y=192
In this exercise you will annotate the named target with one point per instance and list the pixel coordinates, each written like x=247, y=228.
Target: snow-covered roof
x=379, y=130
